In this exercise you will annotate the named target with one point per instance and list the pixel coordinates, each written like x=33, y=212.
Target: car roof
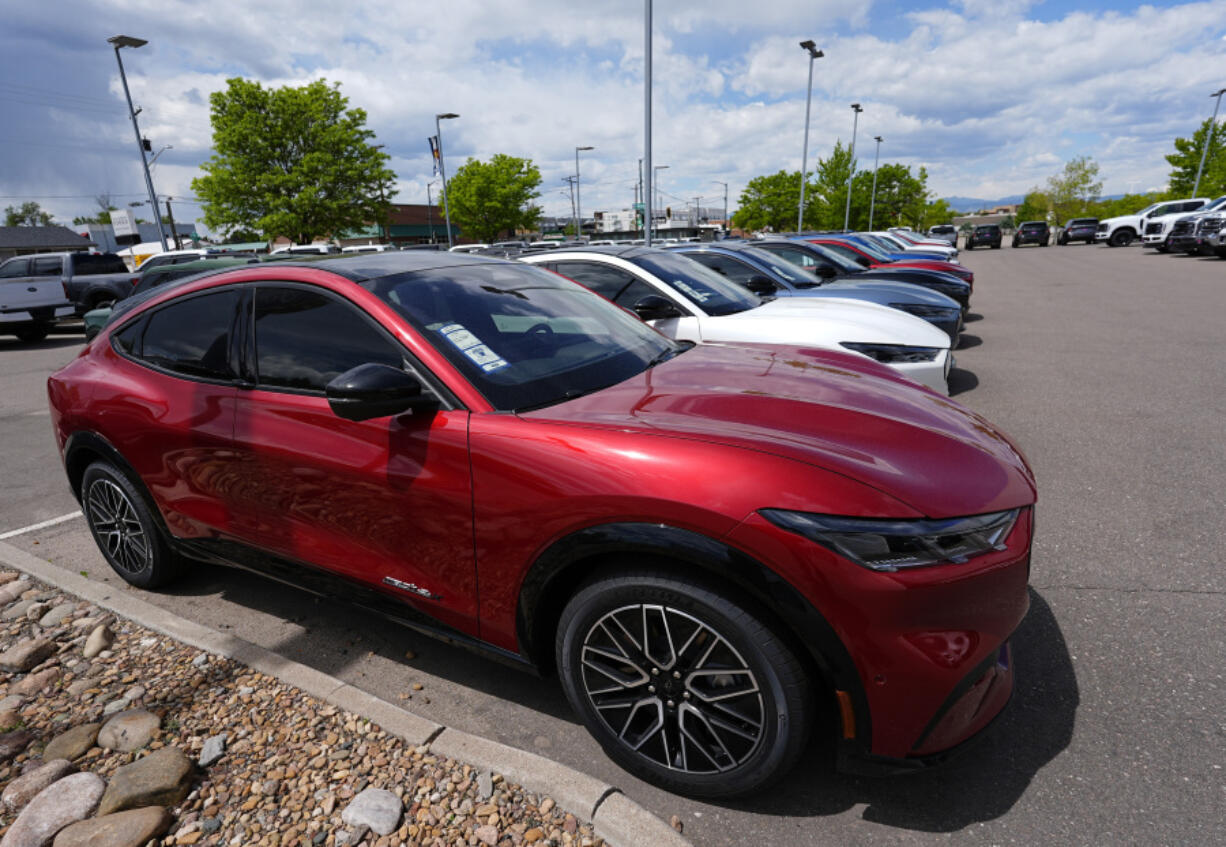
x=360, y=267
x=618, y=250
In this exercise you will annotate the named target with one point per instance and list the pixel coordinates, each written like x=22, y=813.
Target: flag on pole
x=434, y=151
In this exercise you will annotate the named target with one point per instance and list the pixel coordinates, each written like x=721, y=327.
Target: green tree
x=1034, y=206
x=769, y=202
x=828, y=206
x=293, y=162
x=490, y=198
x=27, y=214
x=937, y=212
x=103, y=215
x=1186, y=159
x=1071, y=191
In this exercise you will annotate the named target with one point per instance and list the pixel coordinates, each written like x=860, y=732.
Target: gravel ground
x=292, y=763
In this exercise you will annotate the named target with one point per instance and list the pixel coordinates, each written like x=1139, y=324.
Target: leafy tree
x=294, y=162
x=1071, y=191
x=103, y=215
x=1186, y=159
x=489, y=198
x=937, y=212
x=27, y=214
x=1034, y=206
x=828, y=207
x=1126, y=205
x=770, y=202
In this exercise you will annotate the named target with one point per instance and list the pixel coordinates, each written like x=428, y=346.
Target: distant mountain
x=972, y=204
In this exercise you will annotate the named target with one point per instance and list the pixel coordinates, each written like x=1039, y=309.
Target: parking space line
x=39, y=525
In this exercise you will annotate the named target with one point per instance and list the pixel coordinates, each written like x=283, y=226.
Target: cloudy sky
x=992, y=96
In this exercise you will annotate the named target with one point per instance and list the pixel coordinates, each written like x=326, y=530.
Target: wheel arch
x=84, y=448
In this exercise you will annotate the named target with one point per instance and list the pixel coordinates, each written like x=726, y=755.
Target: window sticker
x=694, y=294
x=471, y=346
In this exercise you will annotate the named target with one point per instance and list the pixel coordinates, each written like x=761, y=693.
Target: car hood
x=824, y=409
x=826, y=321
x=906, y=292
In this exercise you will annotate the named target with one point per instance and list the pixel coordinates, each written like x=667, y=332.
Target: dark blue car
x=765, y=273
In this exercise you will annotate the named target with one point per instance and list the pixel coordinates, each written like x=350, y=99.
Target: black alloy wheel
x=1120, y=238
x=124, y=528
x=683, y=686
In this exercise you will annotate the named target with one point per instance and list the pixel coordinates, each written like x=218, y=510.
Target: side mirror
x=654, y=307
x=375, y=391
x=761, y=285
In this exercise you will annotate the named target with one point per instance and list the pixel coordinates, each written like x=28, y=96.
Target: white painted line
x=40, y=525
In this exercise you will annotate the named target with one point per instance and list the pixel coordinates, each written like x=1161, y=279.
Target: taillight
x=64, y=285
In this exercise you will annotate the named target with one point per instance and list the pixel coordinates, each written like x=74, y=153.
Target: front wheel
x=1120, y=238
x=125, y=529
x=682, y=685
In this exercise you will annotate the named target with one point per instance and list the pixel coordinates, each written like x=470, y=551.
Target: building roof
x=42, y=238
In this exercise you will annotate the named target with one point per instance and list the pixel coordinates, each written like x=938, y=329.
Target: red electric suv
x=720, y=549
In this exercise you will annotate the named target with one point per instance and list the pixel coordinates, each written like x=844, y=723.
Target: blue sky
x=991, y=96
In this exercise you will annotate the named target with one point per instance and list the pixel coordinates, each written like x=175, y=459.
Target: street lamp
x=119, y=42
x=578, y=207
x=1208, y=138
x=873, y=197
x=153, y=159
x=442, y=170
x=814, y=53
x=851, y=165
x=647, y=116
x=727, y=227
x=430, y=211
x=656, y=196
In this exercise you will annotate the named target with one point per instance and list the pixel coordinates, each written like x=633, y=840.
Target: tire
x=1062, y=241
x=969, y=247
x=1014, y=245
x=1120, y=238
x=661, y=610
x=995, y=246
x=33, y=334
x=124, y=527
x=98, y=300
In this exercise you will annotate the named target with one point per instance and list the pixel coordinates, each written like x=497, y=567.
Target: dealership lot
x=1107, y=368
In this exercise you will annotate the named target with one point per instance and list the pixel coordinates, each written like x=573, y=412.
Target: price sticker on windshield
x=471, y=346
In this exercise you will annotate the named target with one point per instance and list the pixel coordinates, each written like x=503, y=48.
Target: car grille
x=1209, y=226
x=1183, y=228
x=1153, y=229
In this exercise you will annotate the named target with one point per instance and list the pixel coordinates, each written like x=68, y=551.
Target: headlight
x=923, y=310
x=889, y=545
x=893, y=354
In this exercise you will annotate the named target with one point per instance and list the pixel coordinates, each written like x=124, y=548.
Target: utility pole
x=873, y=198
x=851, y=165
x=570, y=182
x=648, y=173
x=1208, y=138
x=119, y=42
x=442, y=170
x=170, y=216
x=727, y=223
x=814, y=53
x=430, y=211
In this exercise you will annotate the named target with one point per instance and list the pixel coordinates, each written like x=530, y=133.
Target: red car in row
x=720, y=549
x=867, y=257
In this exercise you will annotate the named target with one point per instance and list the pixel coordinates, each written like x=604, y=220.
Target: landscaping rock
x=128, y=731
x=213, y=747
x=65, y=801
x=8, y=576
x=160, y=779
x=24, y=788
x=21, y=657
x=12, y=702
x=55, y=616
x=100, y=639
x=35, y=682
x=74, y=743
x=132, y=828
x=17, y=610
x=378, y=809
x=14, y=743
x=13, y=590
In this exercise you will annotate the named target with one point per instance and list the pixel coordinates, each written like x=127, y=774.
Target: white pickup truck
x=31, y=298
x=1122, y=231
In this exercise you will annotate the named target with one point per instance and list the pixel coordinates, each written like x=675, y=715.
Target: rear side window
x=305, y=339
x=47, y=266
x=192, y=336
x=17, y=267
x=88, y=264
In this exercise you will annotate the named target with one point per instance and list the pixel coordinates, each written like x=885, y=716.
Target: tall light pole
x=430, y=211
x=648, y=173
x=851, y=165
x=656, y=197
x=873, y=197
x=1208, y=138
x=727, y=227
x=814, y=53
x=119, y=42
x=578, y=205
x=442, y=170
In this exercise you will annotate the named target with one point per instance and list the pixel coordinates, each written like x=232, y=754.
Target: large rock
x=12, y=702
x=8, y=576
x=213, y=747
x=378, y=809
x=13, y=590
x=100, y=639
x=14, y=743
x=65, y=801
x=35, y=682
x=56, y=615
x=160, y=779
x=132, y=828
x=21, y=657
x=17, y=610
x=24, y=788
x=74, y=743
x=128, y=731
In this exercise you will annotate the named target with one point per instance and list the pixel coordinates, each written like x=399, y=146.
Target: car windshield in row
x=711, y=292
x=523, y=337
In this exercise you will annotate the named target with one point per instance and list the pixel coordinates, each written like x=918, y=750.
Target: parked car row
x=716, y=487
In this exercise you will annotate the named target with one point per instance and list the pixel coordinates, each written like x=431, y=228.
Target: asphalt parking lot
x=1108, y=368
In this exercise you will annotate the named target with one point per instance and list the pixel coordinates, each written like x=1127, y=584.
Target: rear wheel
x=125, y=529
x=683, y=686
x=34, y=333
x=1120, y=238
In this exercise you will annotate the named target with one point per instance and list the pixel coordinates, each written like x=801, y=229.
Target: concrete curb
x=614, y=816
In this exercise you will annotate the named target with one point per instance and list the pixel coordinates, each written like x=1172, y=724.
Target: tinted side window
x=735, y=270
x=305, y=339
x=49, y=266
x=17, y=267
x=192, y=336
x=800, y=258
x=87, y=264
x=606, y=281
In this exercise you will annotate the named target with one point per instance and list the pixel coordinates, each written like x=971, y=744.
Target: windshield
x=1216, y=204
x=522, y=336
x=894, y=242
x=710, y=292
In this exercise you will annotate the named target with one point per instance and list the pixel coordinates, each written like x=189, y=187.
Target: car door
x=386, y=502
x=625, y=289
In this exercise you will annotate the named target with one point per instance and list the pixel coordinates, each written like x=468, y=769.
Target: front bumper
x=1154, y=240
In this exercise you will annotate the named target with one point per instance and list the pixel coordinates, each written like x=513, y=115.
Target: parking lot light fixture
x=578, y=207
x=119, y=42
x=814, y=53
x=1217, y=95
x=872, y=202
x=655, y=184
x=442, y=169
x=851, y=165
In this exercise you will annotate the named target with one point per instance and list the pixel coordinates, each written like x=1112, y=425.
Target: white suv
x=1161, y=220
x=1122, y=231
